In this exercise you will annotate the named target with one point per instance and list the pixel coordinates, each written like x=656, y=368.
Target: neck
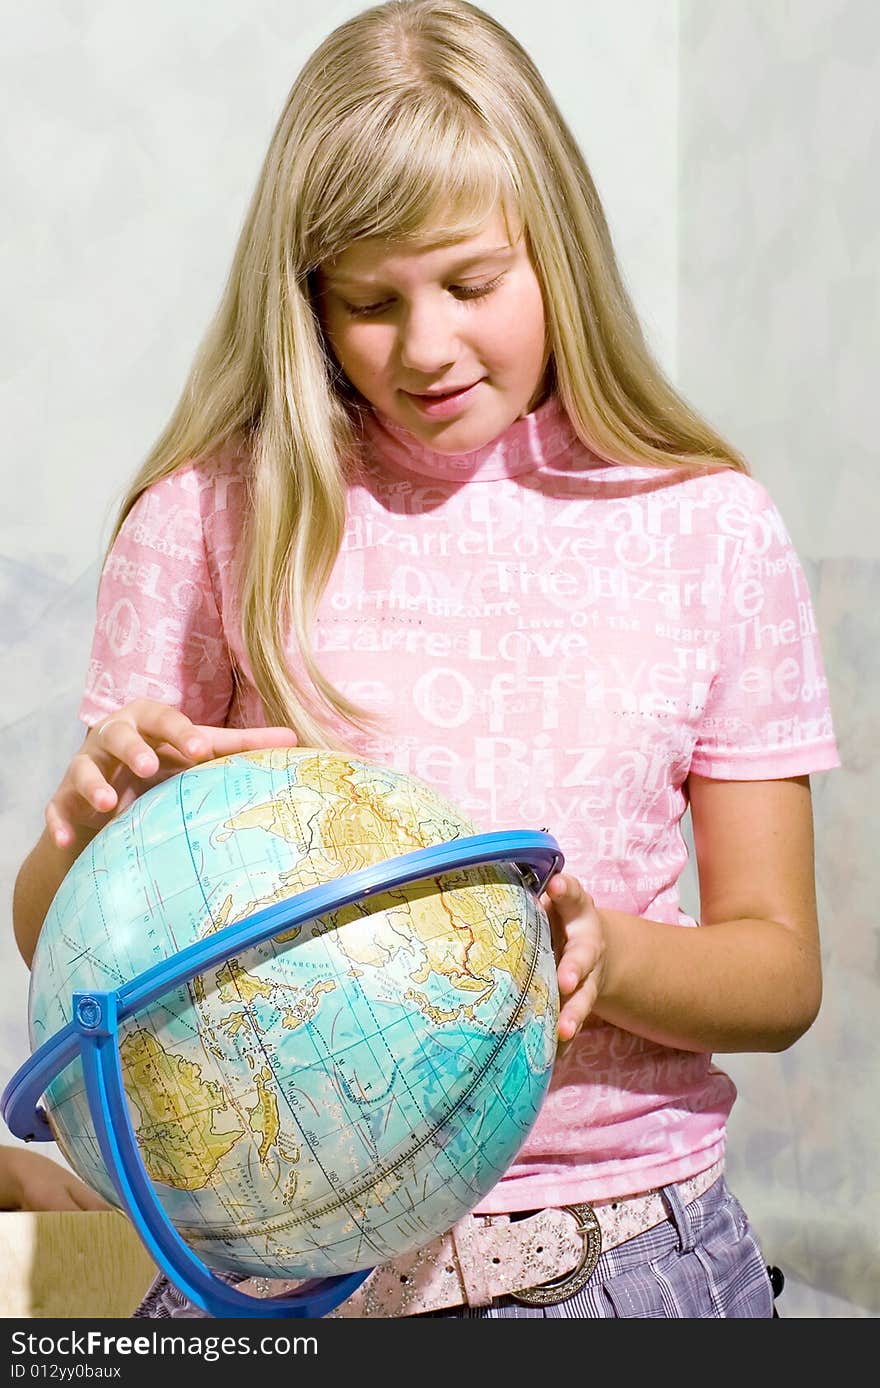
x=532, y=441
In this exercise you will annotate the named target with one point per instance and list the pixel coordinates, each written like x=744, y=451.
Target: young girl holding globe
x=427, y=497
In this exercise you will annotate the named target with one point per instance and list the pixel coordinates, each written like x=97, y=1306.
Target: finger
x=67, y=813
x=60, y=828
x=573, y=969
x=140, y=728
x=123, y=741
x=560, y=901
x=224, y=742
x=86, y=782
x=553, y=901
x=228, y=740
x=571, y=913
x=577, y=1009
x=579, y=956
x=567, y=896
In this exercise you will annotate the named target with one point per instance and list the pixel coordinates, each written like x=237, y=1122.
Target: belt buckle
x=548, y=1293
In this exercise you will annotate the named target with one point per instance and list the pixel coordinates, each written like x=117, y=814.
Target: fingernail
x=144, y=763
x=195, y=747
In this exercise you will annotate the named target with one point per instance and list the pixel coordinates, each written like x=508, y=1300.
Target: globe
x=336, y=1095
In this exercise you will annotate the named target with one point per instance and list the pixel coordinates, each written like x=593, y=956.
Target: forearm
x=39, y=878
x=9, y=1185
x=743, y=985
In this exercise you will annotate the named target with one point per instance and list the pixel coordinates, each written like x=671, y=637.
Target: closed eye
x=464, y=292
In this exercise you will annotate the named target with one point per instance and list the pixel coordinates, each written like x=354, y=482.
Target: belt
x=538, y=1260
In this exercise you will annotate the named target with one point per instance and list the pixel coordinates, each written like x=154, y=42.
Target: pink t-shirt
x=553, y=643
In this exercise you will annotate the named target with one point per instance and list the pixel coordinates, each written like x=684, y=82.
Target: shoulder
x=687, y=501
x=202, y=502
x=742, y=509
x=719, y=519
x=726, y=504
x=208, y=484
x=731, y=488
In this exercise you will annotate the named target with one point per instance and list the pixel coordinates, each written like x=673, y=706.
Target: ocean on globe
x=336, y=1096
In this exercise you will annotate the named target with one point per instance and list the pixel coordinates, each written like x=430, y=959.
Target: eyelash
x=468, y=293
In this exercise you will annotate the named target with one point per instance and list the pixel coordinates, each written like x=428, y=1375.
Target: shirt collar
x=532, y=441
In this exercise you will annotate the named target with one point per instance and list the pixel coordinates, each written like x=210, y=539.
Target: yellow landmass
x=290, y=1186
x=469, y=928
x=465, y=934
x=234, y=1022
x=371, y=934
x=464, y=927
x=541, y=1001
x=263, y=1118
x=288, y=1149
x=348, y=823
x=221, y=917
x=176, y=1134
x=288, y=816
x=306, y=1004
x=236, y=984
x=437, y=1015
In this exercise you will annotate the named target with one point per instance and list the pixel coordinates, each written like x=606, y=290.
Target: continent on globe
x=178, y=1142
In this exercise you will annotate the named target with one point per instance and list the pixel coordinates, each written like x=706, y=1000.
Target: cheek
x=518, y=332
x=361, y=350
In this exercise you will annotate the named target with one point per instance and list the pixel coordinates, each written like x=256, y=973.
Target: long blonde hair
x=414, y=120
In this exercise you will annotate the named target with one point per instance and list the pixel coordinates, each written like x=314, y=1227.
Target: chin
x=462, y=435
x=454, y=440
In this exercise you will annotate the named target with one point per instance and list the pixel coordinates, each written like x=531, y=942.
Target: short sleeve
x=159, y=632
x=768, y=713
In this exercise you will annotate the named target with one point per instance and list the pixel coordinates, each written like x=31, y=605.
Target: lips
x=440, y=394
x=442, y=403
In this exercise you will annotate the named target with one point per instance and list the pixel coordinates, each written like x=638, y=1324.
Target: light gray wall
x=730, y=146
x=779, y=342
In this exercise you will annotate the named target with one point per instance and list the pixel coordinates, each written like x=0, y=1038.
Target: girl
x=427, y=496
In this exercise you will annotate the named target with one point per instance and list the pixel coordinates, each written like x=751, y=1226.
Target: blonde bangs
x=423, y=173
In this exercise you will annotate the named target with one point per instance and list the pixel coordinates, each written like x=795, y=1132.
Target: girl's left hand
x=578, y=934
x=30, y=1181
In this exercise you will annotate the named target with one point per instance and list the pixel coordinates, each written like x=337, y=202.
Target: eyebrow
x=368, y=282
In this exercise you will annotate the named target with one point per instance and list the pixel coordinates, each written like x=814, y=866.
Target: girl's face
x=447, y=341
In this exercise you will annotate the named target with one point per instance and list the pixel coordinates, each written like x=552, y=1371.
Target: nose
x=428, y=340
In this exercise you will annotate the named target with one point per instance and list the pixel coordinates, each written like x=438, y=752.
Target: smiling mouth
x=441, y=394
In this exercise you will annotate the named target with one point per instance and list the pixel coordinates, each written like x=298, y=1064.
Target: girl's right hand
x=131, y=750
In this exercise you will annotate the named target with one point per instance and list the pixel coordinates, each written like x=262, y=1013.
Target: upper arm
x=754, y=852
x=159, y=632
